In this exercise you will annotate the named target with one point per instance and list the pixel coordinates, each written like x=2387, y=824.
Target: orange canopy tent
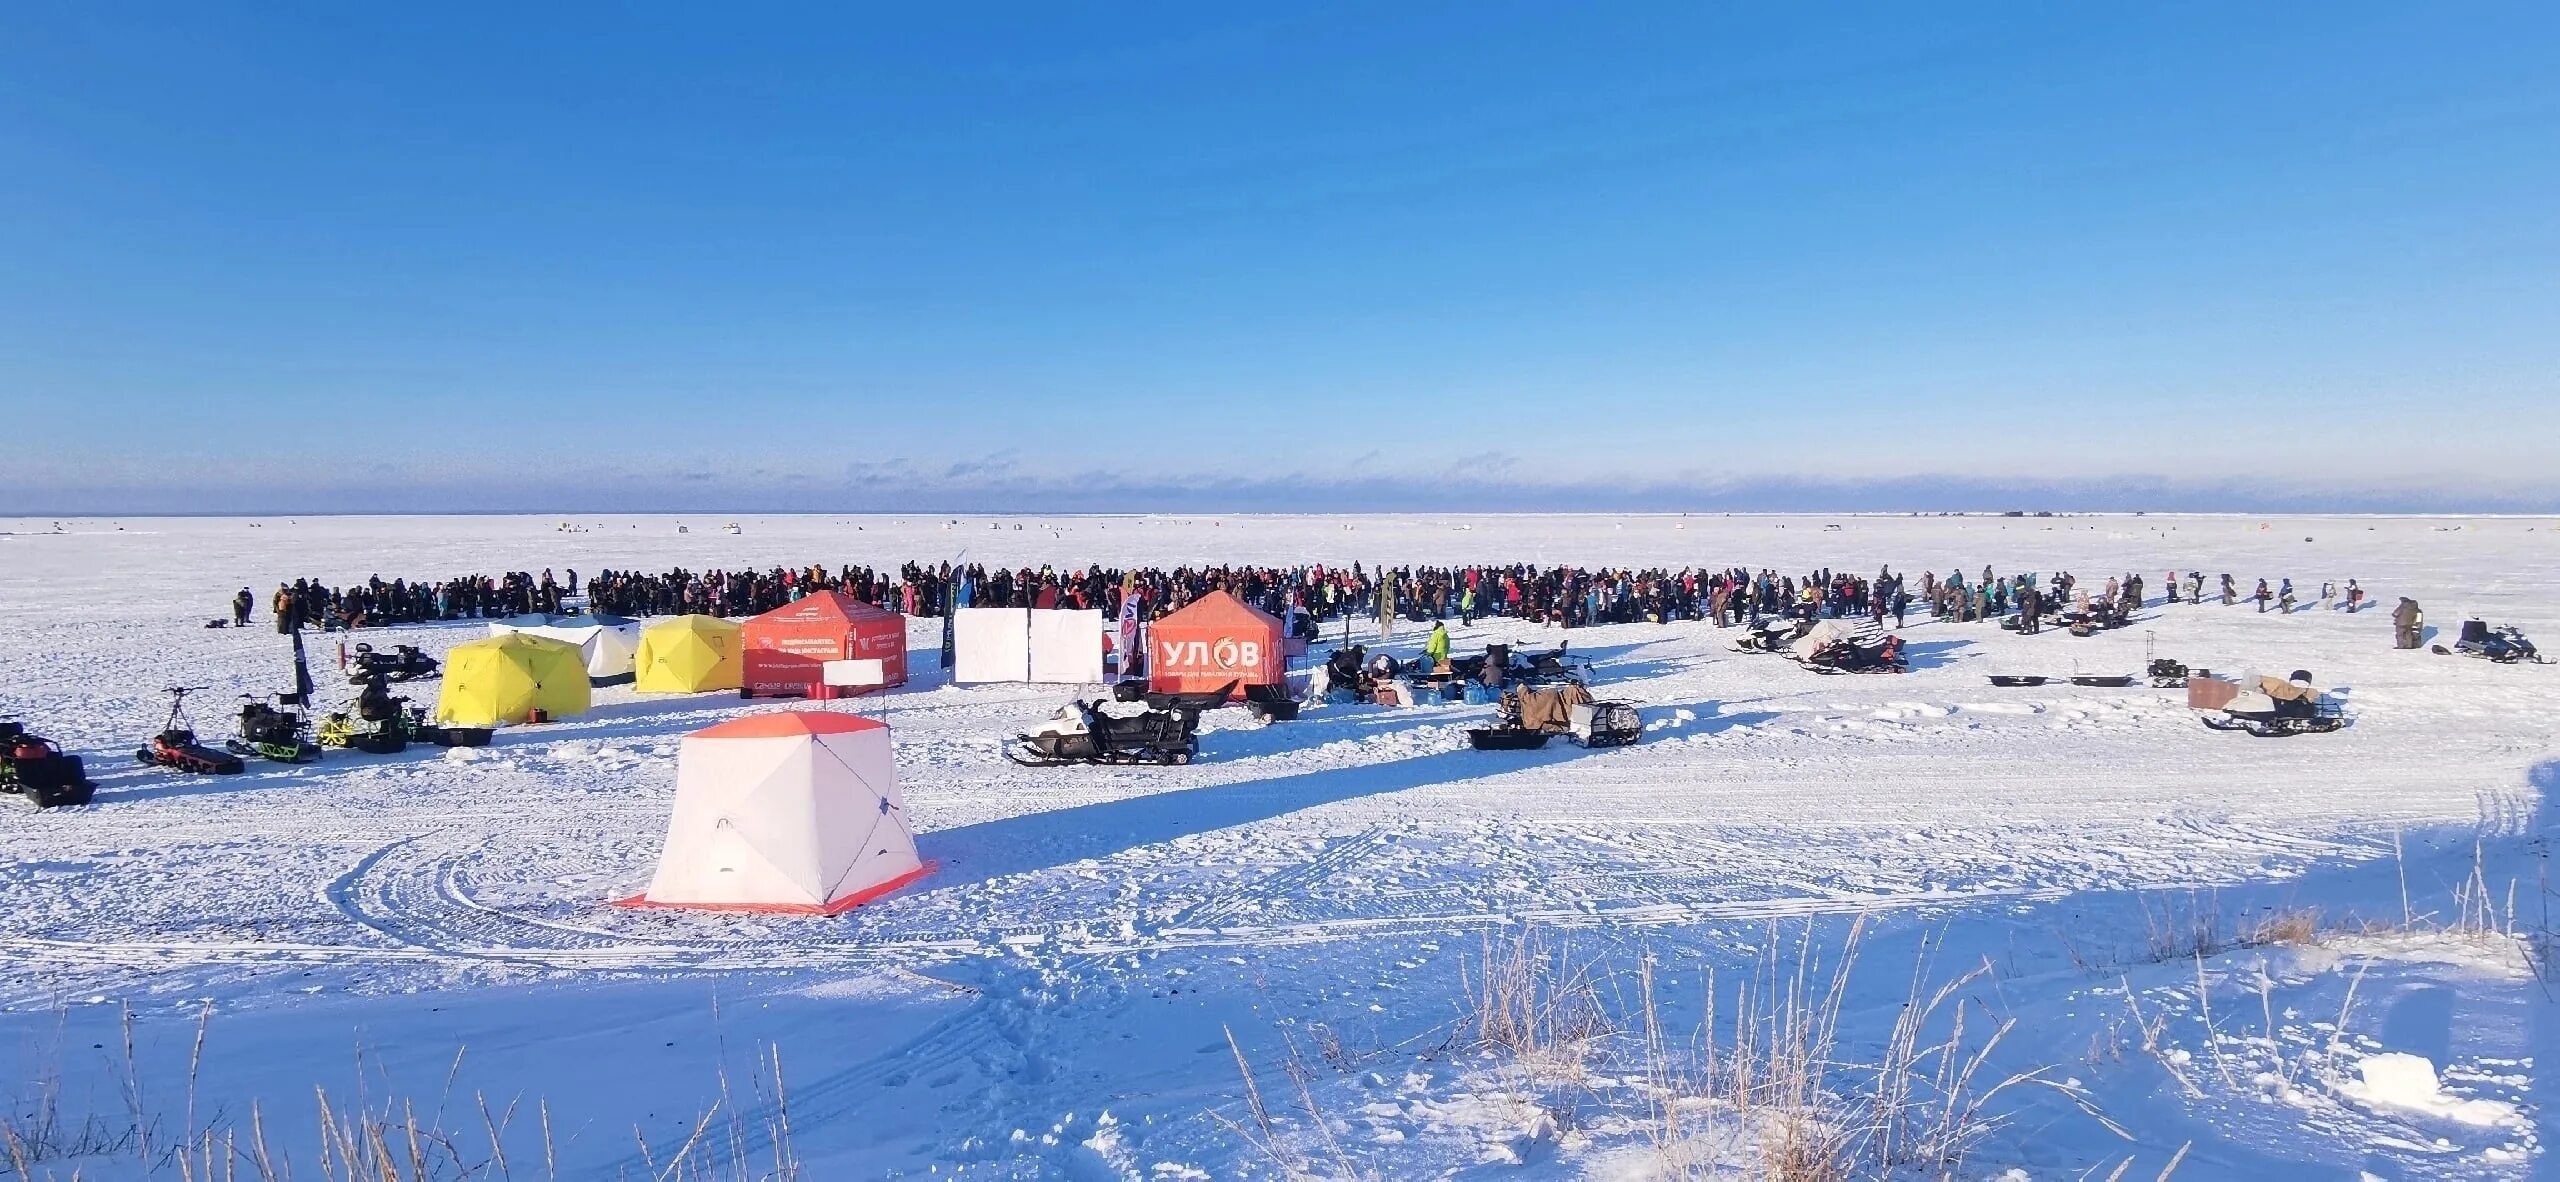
x=1212, y=642
x=786, y=649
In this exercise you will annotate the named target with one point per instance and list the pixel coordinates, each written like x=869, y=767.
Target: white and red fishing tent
x=797, y=812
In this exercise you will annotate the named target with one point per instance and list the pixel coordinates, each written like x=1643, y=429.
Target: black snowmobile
x=279, y=728
x=1881, y=654
x=2504, y=644
x=1548, y=668
x=35, y=769
x=276, y=729
x=176, y=747
x=403, y=663
x=1083, y=732
x=380, y=724
x=1773, y=635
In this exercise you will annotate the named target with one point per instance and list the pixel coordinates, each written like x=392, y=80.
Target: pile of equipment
x=2275, y=708
x=1531, y=714
x=1349, y=673
x=2164, y=672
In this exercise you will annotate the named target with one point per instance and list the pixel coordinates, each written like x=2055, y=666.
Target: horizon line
x=1087, y=514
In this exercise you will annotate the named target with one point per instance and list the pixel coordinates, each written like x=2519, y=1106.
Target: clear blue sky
x=311, y=256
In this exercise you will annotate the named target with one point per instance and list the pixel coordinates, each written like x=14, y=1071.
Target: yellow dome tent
x=506, y=678
x=688, y=654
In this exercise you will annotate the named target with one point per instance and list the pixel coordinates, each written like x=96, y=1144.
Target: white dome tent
x=797, y=812
x=609, y=644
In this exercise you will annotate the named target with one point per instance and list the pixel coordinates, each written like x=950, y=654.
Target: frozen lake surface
x=432, y=925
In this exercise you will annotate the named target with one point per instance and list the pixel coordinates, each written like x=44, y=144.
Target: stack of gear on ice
x=1351, y=674
x=2272, y=708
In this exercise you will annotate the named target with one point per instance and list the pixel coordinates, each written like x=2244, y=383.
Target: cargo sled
x=2278, y=708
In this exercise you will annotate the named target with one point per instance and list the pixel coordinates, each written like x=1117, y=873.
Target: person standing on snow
x=2261, y=595
x=2284, y=598
x=240, y=605
x=2408, y=624
x=1435, y=650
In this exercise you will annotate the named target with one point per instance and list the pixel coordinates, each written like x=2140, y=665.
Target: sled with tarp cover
x=1837, y=646
x=2277, y=707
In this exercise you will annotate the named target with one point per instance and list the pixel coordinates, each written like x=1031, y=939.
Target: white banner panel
x=991, y=644
x=1066, y=647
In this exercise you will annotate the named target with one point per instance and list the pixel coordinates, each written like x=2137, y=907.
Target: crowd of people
x=1559, y=596
x=312, y=603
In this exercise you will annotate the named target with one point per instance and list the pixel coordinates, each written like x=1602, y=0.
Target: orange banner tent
x=786, y=649
x=1212, y=642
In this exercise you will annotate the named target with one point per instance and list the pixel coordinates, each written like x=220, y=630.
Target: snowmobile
x=1081, y=732
x=1859, y=655
x=34, y=768
x=2277, y=708
x=380, y=724
x=176, y=746
x=1773, y=635
x=1549, y=667
x=2504, y=644
x=280, y=731
x=403, y=663
x=280, y=727
x=277, y=731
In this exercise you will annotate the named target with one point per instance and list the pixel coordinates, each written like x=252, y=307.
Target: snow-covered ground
x=1057, y=1000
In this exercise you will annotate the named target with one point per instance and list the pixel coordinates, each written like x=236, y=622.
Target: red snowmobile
x=34, y=767
x=176, y=746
